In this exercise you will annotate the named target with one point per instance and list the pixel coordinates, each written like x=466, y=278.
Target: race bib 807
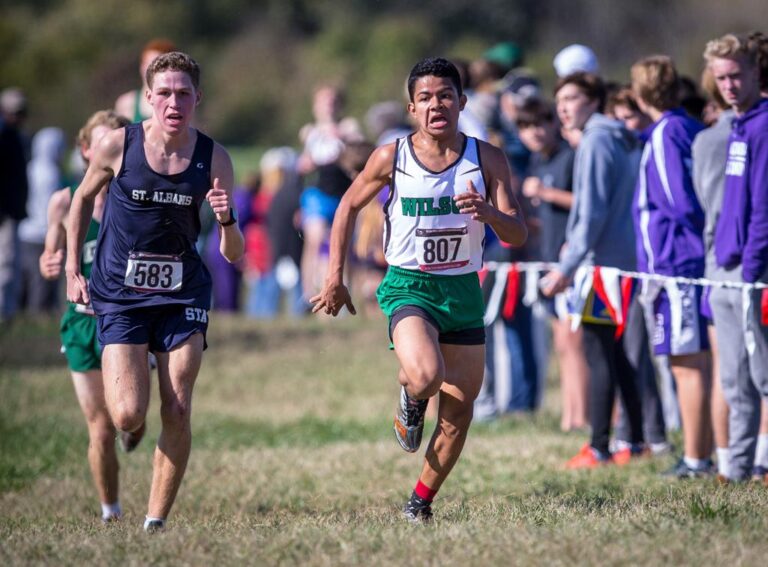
x=442, y=248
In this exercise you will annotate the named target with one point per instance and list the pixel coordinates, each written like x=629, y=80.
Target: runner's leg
x=422, y=370
x=177, y=372
x=464, y=376
x=101, y=433
x=126, y=384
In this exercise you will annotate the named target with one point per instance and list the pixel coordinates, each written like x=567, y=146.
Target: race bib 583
x=154, y=272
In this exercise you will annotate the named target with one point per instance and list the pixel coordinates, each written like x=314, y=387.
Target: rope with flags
x=612, y=288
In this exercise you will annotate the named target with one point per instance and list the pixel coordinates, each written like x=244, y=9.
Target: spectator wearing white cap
x=575, y=58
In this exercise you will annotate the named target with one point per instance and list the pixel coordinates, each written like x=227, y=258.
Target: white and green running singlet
x=424, y=229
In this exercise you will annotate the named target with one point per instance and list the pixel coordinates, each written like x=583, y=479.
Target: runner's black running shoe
x=129, y=440
x=417, y=510
x=409, y=421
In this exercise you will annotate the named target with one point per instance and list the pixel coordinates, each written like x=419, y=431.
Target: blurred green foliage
x=262, y=58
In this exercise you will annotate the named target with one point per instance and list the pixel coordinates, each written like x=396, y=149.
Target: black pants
x=609, y=367
x=639, y=353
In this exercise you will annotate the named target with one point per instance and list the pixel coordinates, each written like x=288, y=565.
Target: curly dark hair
x=435, y=67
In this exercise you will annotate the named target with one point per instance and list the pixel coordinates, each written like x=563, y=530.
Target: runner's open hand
x=219, y=201
x=473, y=203
x=331, y=299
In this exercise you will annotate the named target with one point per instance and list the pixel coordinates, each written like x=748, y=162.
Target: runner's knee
x=101, y=433
x=175, y=413
x=128, y=418
x=424, y=380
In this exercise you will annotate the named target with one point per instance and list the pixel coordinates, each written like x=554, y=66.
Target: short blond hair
x=731, y=46
x=655, y=81
x=101, y=118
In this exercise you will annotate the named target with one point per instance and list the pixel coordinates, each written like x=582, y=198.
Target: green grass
x=294, y=463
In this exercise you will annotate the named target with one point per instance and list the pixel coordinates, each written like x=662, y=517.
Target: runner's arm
x=375, y=175
x=105, y=162
x=232, y=244
x=52, y=257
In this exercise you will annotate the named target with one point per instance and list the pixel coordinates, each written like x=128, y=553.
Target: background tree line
x=261, y=58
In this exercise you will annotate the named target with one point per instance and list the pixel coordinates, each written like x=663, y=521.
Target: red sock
x=424, y=492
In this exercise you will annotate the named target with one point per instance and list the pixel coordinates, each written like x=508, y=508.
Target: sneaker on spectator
x=588, y=458
x=628, y=452
x=760, y=474
x=682, y=471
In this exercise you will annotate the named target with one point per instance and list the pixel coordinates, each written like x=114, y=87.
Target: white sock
x=695, y=464
x=723, y=461
x=149, y=519
x=111, y=510
x=761, y=454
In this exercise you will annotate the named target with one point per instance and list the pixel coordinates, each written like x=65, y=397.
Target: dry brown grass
x=293, y=464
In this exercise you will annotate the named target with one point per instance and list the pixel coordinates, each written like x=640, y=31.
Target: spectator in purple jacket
x=669, y=222
x=741, y=247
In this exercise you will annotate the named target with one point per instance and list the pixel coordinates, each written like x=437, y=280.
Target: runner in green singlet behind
x=78, y=329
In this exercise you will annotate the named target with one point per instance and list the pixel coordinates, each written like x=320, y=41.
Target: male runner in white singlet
x=444, y=187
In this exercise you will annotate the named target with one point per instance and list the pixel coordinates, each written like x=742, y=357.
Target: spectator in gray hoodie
x=38, y=295
x=600, y=233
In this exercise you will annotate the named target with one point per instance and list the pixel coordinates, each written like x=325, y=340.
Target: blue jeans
x=264, y=297
x=265, y=294
x=511, y=381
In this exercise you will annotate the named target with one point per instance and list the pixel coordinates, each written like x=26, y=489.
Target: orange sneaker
x=587, y=458
x=628, y=452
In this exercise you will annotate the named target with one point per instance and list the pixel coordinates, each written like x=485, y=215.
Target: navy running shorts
x=162, y=328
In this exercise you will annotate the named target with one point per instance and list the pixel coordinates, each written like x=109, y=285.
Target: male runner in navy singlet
x=148, y=286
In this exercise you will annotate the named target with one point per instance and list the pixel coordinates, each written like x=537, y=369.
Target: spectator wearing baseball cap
x=575, y=58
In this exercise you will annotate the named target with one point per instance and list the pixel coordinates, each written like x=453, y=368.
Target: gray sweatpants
x=638, y=349
x=743, y=345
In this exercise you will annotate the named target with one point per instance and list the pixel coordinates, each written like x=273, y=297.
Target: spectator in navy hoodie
x=741, y=247
x=669, y=222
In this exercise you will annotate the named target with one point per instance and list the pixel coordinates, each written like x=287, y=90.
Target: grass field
x=294, y=463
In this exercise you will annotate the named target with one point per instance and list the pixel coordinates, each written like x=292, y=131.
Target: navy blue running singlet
x=146, y=255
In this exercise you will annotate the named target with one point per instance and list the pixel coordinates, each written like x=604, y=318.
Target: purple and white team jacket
x=741, y=235
x=669, y=220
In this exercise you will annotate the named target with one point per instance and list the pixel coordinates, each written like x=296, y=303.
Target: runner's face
x=173, y=98
x=737, y=81
x=574, y=107
x=436, y=105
